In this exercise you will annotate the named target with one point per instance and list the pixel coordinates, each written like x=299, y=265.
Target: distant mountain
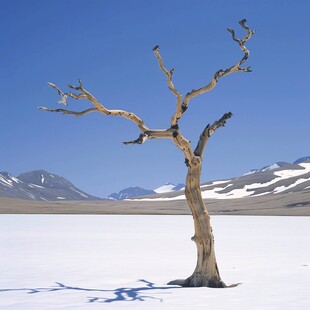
x=136, y=191
x=281, y=177
x=301, y=160
x=284, y=179
x=270, y=167
x=40, y=185
x=270, y=180
x=131, y=192
x=45, y=179
x=276, y=178
x=169, y=187
x=278, y=165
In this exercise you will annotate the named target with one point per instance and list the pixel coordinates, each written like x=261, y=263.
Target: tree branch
x=141, y=139
x=84, y=94
x=64, y=96
x=208, y=131
x=154, y=134
x=174, y=119
x=221, y=73
x=64, y=111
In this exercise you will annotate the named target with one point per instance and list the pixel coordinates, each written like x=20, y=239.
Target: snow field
x=121, y=262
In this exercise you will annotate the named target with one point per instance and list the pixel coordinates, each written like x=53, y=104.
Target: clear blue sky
x=108, y=45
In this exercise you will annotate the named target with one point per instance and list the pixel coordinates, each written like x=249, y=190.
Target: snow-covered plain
x=121, y=262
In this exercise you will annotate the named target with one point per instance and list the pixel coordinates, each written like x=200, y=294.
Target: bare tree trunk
x=206, y=272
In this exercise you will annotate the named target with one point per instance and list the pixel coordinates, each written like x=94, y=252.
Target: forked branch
x=84, y=94
x=220, y=73
x=64, y=96
x=182, y=105
x=154, y=134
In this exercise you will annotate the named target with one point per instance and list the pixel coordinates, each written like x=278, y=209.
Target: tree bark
x=206, y=272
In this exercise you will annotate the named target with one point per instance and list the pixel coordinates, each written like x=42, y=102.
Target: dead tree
x=206, y=272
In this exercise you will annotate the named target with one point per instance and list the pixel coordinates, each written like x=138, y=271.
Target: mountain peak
x=169, y=187
x=274, y=166
x=45, y=179
x=279, y=164
x=129, y=192
x=40, y=185
x=301, y=160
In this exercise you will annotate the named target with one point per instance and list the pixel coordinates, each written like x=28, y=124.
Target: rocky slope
x=40, y=185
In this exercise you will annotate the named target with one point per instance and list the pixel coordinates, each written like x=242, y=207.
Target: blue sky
x=108, y=45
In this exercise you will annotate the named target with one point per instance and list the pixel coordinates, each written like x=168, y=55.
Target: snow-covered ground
x=120, y=262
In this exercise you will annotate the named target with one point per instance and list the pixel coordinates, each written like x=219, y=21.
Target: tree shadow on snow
x=119, y=294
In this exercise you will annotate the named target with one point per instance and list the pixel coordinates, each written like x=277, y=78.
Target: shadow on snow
x=120, y=294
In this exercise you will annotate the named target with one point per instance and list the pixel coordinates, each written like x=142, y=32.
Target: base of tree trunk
x=198, y=282
x=188, y=283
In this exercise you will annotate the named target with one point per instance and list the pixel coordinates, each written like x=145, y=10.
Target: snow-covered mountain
x=130, y=192
x=281, y=177
x=276, y=165
x=169, y=187
x=137, y=191
x=40, y=185
x=269, y=180
x=290, y=178
x=301, y=160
